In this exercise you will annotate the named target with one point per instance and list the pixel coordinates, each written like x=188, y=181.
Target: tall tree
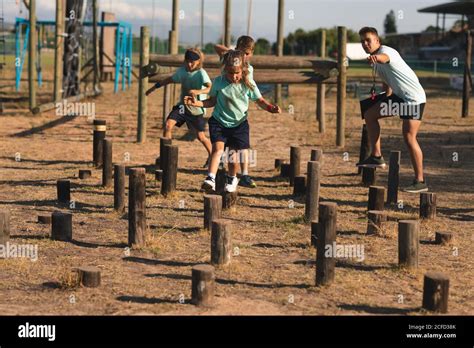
x=390, y=23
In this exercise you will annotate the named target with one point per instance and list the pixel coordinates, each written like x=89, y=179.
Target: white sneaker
x=231, y=183
x=209, y=185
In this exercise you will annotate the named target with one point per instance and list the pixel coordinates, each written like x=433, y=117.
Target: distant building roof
x=465, y=7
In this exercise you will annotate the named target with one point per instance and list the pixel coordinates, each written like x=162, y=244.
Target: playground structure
x=76, y=38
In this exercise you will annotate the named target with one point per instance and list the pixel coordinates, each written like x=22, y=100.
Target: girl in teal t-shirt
x=230, y=95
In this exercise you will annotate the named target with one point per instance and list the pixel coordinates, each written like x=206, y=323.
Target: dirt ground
x=274, y=271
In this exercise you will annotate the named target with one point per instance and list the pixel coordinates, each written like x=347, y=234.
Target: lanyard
x=372, y=90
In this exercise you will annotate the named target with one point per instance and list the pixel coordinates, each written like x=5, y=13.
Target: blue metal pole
x=117, y=59
x=17, y=56
x=130, y=54
x=124, y=54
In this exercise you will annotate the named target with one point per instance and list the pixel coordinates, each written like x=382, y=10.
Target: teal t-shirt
x=191, y=80
x=232, y=101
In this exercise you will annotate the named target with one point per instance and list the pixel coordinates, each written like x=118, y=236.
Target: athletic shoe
x=372, y=162
x=416, y=187
x=231, y=183
x=247, y=181
x=209, y=185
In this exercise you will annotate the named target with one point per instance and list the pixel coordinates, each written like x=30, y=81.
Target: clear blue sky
x=307, y=14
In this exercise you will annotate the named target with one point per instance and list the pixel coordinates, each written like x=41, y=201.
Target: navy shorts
x=193, y=122
x=237, y=138
x=393, y=105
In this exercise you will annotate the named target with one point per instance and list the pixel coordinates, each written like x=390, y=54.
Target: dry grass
x=273, y=271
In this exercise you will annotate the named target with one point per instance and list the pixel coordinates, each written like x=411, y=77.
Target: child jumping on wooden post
x=247, y=45
x=228, y=125
x=404, y=97
x=195, y=82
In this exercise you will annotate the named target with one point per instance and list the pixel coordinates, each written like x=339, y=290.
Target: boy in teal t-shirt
x=195, y=82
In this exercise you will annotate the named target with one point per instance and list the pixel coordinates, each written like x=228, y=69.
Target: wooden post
x=32, y=47
x=119, y=188
x=321, y=90
x=107, y=178
x=166, y=103
x=299, y=185
x=443, y=238
x=341, y=85
x=95, y=41
x=221, y=242
x=143, y=84
x=295, y=163
x=64, y=191
x=393, y=177
x=4, y=226
x=279, y=44
x=435, y=292
x=163, y=141
x=89, y=276
x=408, y=243
x=58, y=51
x=44, y=219
x=364, y=147
x=326, y=236
x=220, y=180
x=285, y=170
x=467, y=84
x=229, y=199
x=376, y=198
x=100, y=128
x=61, y=226
x=314, y=233
x=212, y=209
x=376, y=218
x=202, y=288
x=170, y=170
x=312, y=191
x=427, y=205
x=227, y=26
x=369, y=176
x=137, y=207
x=84, y=173
x=317, y=155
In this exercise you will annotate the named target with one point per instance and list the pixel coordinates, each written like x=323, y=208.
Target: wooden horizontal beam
x=323, y=66
x=49, y=106
x=282, y=76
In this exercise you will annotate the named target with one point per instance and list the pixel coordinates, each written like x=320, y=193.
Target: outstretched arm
x=208, y=103
x=378, y=58
x=274, y=109
x=220, y=50
x=158, y=85
x=196, y=92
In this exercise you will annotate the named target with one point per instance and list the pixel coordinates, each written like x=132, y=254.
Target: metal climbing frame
x=123, y=50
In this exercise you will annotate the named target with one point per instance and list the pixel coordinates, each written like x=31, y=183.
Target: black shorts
x=237, y=138
x=393, y=105
x=193, y=122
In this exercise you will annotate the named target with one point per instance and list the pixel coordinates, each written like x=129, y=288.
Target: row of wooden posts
x=322, y=216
